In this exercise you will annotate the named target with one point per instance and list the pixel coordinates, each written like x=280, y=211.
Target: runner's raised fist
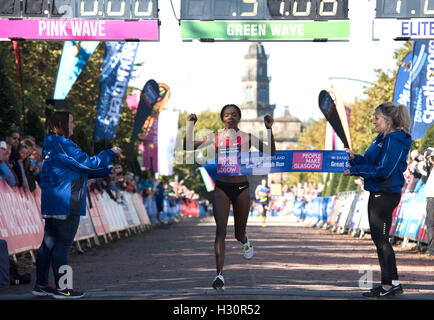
x=192, y=117
x=268, y=121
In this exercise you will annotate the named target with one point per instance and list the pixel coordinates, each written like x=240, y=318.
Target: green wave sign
x=265, y=30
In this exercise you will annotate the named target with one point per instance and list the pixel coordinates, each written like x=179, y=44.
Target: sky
x=206, y=76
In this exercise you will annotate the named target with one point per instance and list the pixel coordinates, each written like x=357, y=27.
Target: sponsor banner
x=190, y=208
x=255, y=163
x=209, y=183
x=130, y=211
x=422, y=88
x=332, y=106
x=265, y=30
x=75, y=55
x=401, y=93
x=20, y=218
x=78, y=29
x=85, y=228
x=115, y=74
x=167, y=141
x=95, y=216
x=148, y=98
x=150, y=149
x=143, y=215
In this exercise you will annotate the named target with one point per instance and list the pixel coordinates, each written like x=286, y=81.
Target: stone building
x=256, y=104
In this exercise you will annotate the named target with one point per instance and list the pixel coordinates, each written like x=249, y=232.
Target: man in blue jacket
x=65, y=171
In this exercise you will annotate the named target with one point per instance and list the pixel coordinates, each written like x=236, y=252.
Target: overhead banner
x=115, y=74
x=168, y=120
x=255, y=163
x=422, y=88
x=401, y=93
x=75, y=55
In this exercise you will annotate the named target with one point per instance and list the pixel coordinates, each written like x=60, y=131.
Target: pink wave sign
x=78, y=29
x=307, y=160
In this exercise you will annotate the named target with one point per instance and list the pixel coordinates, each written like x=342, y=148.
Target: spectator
x=429, y=194
x=160, y=199
x=413, y=173
x=23, y=169
x=31, y=147
x=13, y=138
x=5, y=171
x=64, y=177
x=36, y=160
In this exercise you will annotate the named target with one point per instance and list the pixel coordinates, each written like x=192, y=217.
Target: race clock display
x=87, y=9
x=264, y=9
x=265, y=19
x=406, y=9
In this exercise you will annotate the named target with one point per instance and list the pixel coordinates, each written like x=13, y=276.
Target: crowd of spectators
x=300, y=192
x=21, y=165
x=20, y=160
x=418, y=170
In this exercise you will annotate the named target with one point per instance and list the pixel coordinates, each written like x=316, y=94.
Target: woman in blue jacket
x=382, y=168
x=65, y=171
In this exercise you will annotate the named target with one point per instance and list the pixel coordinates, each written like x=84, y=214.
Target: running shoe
x=379, y=291
x=247, y=249
x=40, y=291
x=397, y=289
x=68, y=294
x=219, y=283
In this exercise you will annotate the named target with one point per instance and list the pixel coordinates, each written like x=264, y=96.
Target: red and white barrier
x=22, y=227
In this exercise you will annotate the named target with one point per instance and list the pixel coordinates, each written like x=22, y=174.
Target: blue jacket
x=384, y=162
x=65, y=171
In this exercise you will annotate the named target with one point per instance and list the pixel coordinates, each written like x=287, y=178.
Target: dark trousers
x=58, y=238
x=380, y=211
x=429, y=222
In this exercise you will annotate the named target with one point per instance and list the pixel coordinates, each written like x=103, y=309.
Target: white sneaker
x=219, y=283
x=247, y=250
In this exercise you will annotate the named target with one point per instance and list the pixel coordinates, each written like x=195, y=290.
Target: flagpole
x=15, y=44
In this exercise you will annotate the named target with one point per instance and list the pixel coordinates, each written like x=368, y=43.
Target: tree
x=428, y=139
x=9, y=106
x=208, y=121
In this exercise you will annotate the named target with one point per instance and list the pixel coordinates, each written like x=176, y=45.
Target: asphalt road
x=292, y=262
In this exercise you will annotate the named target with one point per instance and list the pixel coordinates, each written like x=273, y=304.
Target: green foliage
x=351, y=186
x=326, y=184
x=334, y=182
x=207, y=122
x=10, y=107
x=343, y=182
x=428, y=139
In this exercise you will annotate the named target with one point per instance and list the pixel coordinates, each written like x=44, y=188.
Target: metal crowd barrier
x=347, y=213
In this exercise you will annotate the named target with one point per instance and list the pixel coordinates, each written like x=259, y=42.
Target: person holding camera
x=429, y=194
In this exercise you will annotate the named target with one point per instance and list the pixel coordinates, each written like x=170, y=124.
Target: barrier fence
x=22, y=226
x=348, y=213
